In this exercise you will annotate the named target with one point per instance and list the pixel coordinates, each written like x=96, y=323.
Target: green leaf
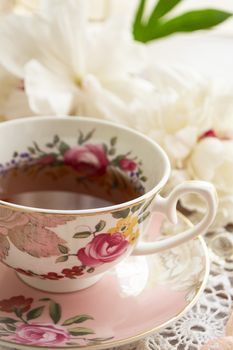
x=83, y=234
x=88, y=136
x=105, y=147
x=56, y=139
x=186, y=22
x=113, y=141
x=91, y=269
x=18, y=312
x=138, y=25
x=63, y=249
x=143, y=178
x=11, y=327
x=100, y=226
x=162, y=8
x=80, y=139
x=136, y=207
x=158, y=26
x=77, y=319
x=37, y=147
x=112, y=151
x=146, y=205
x=35, y=313
x=44, y=299
x=7, y=320
x=63, y=147
x=31, y=150
x=62, y=258
x=80, y=331
x=55, y=311
x=121, y=213
x=143, y=217
x=100, y=339
x=192, y=21
x=49, y=145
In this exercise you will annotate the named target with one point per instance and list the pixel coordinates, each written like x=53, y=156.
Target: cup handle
x=167, y=206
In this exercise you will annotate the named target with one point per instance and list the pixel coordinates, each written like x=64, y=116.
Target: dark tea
x=63, y=187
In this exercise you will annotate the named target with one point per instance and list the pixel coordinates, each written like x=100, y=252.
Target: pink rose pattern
x=127, y=164
x=37, y=334
x=103, y=248
x=88, y=159
x=21, y=327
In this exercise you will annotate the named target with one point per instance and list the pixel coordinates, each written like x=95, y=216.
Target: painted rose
x=9, y=219
x=73, y=272
x=103, y=248
x=37, y=334
x=127, y=164
x=88, y=159
x=52, y=276
x=19, y=302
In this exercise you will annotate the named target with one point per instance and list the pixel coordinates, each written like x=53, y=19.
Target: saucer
x=136, y=298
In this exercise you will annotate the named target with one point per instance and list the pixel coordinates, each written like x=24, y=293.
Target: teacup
x=65, y=250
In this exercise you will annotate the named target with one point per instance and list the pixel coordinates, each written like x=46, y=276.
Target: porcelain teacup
x=64, y=250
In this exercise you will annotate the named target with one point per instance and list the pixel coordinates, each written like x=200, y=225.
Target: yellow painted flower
x=128, y=227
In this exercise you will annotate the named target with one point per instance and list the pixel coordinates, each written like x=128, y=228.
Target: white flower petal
x=220, y=112
x=67, y=29
x=206, y=157
x=16, y=52
x=180, y=144
x=129, y=88
x=175, y=78
x=124, y=55
x=47, y=92
x=100, y=103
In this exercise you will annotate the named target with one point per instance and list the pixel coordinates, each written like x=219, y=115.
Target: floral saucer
x=136, y=298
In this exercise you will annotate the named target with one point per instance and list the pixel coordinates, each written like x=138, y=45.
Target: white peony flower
x=211, y=158
x=177, y=114
x=70, y=66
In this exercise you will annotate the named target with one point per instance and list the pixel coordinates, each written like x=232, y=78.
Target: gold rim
x=132, y=339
